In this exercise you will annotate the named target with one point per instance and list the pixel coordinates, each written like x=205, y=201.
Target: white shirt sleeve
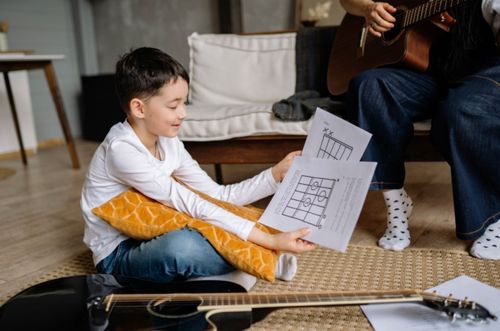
x=242, y=193
x=491, y=13
x=126, y=163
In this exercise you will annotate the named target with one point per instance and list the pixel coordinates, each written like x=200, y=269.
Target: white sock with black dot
x=286, y=268
x=399, y=207
x=488, y=245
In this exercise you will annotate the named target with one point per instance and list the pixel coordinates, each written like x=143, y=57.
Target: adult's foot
x=488, y=245
x=399, y=207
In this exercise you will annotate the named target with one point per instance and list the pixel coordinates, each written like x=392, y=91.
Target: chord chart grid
x=309, y=200
x=332, y=148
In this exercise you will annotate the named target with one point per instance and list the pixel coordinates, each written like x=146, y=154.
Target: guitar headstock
x=457, y=309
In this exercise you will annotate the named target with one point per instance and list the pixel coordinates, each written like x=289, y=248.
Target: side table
x=12, y=62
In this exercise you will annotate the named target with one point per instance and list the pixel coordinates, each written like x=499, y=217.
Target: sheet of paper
x=331, y=137
x=323, y=195
x=413, y=316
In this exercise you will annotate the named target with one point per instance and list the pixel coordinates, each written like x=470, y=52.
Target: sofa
x=236, y=79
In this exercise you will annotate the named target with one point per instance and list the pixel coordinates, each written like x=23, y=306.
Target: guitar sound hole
x=174, y=309
x=391, y=35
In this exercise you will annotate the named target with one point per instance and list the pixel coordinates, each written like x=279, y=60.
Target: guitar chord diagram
x=332, y=148
x=309, y=200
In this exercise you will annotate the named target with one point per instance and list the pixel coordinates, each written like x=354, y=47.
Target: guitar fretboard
x=306, y=299
x=426, y=10
x=209, y=301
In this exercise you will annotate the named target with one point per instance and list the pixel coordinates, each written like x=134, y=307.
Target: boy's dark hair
x=140, y=73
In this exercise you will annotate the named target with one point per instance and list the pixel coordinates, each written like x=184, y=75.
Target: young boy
x=144, y=152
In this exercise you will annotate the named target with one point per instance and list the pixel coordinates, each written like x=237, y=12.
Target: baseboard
x=49, y=143
x=44, y=144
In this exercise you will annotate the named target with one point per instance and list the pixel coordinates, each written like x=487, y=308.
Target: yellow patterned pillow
x=140, y=217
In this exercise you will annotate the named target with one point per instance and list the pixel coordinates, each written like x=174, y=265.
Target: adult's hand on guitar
x=379, y=18
x=378, y=15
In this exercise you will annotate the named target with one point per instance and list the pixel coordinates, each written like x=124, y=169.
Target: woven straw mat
x=360, y=268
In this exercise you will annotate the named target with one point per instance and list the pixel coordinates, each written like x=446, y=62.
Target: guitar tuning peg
x=463, y=303
x=452, y=317
x=448, y=299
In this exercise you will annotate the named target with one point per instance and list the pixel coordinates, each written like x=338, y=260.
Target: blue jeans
x=176, y=255
x=465, y=128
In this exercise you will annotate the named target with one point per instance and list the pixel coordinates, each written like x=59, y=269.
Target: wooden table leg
x=50, y=75
x=14, y=115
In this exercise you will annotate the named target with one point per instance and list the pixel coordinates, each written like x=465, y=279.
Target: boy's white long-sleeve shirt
x=122, y=161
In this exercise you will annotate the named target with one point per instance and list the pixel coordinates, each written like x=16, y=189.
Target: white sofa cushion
x=210, y=123
x=206, y=123
x=229, y=69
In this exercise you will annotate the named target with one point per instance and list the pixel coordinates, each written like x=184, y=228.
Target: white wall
x=21, y=92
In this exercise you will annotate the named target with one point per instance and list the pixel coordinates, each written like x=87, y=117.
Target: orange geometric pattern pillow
x=140, y=217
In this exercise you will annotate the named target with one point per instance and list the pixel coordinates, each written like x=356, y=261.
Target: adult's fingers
x=373, y=31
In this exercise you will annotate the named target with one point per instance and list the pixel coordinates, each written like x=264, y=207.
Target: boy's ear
x=136, y=107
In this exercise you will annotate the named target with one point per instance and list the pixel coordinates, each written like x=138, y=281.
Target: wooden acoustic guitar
x=408, y=42
x=105, y=302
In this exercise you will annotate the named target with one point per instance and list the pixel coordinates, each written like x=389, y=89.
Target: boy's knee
x=181, y=245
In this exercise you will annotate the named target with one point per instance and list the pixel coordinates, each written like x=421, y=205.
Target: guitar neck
x=211, y=301
x=283, y=300
x=206, y=302
x=426, y=10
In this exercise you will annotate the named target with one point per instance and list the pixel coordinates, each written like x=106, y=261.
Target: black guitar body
x=74, y=303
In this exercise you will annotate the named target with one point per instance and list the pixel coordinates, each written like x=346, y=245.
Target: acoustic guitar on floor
x=105, y=302
x=408, y=43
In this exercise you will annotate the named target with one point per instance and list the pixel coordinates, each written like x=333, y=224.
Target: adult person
x=461, y=94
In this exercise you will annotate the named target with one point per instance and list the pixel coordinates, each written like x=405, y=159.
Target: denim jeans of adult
x=465, y=127
x=177, y=255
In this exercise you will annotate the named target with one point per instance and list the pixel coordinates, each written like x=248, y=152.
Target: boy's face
x=165, y=111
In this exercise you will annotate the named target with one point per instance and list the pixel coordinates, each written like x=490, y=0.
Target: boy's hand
x=284, y=241
x=292, y=242
x=280, y=169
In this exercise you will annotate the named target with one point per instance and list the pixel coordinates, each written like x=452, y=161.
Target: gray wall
x=92, y=34
x=165, y=24
x=335, y=15
x=47, y=28
x=267, y=15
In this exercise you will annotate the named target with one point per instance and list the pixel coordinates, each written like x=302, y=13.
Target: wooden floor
x=41, y=223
